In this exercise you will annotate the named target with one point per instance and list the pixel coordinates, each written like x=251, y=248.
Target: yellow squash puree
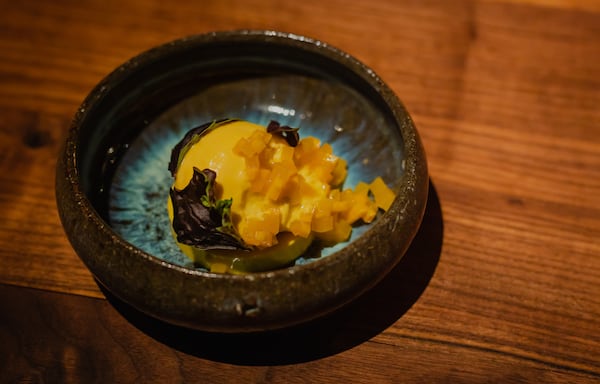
x=282, y=196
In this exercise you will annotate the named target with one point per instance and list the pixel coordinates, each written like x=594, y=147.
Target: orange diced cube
x=297, y=189
x=361, y=207
x=322, y=164
x=251, y=145
x=242, y=148
x=301, y=225
x=339, y=172
x=266, y=157
x=322, y=224
x=322, y=220
x=278, y=179
x=274, y=189
x=252, y=167
x=327, y=148
x=369, y=212
x=382, y=194
x=338, y=203
x=340, y=206
x=341, y=232
x=304, y=150
x=256, y=232
x=300, y=228
x=271, y=220
x=292, y=190
x=259, y=140
x=362, y=188
x=261, y=181
x=284, y=154
x=323, y=207
x=322, y=174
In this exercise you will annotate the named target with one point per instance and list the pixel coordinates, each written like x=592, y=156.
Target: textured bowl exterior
x=196, y=298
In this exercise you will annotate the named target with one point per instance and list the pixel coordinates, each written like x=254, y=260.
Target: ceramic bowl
x=112, y=180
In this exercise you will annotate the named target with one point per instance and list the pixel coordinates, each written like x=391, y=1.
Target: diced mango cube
x=362, y=188
x=340, y=232
x=300, y=223
x=255, y=143
x=339, y=172
x=322, y=220
x=278, y=178
x=298, y=189
x=283, y=154
x=252, y=167
x=361, y=207
x=260, y=231
x=305, y=149
x=322, y=164
x=382, y=194
x=271, y=220
x=322, y=224
x=338, y=205
x=300, y=228
x=260, y=182
x=242, y=147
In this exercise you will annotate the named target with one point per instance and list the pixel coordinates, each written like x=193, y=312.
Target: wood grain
x=589, y=5
x=57, y=348
x=503, y=282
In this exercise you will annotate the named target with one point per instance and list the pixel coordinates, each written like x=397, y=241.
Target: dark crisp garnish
x=191, y=138
x=199, y=219
x=288, y=133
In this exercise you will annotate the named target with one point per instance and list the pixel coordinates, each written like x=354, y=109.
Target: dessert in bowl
x=113, y=180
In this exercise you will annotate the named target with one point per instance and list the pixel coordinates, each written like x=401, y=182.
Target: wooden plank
x=587, y=5
x=51, y=337
x=502, y=283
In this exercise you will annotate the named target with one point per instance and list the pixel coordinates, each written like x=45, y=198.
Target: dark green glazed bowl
x=112, y=179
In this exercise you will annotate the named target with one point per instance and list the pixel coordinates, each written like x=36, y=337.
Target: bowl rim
x=412, y=184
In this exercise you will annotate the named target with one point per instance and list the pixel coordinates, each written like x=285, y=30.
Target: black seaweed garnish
x=199, y=219
x=288, y=133
x=191, y=138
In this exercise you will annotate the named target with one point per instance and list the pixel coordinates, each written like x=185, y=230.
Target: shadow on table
x=348, y=327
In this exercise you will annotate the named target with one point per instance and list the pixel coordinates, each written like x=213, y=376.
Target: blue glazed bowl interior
x=136, y=131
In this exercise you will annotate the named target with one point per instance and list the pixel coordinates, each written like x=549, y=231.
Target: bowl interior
x=146, y=106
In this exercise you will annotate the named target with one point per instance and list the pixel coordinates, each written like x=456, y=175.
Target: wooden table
x=502, y=283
